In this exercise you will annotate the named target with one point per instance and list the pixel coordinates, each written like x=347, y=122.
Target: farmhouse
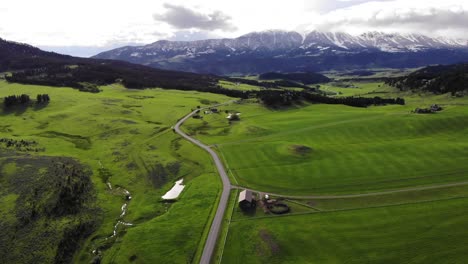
x=246, y=199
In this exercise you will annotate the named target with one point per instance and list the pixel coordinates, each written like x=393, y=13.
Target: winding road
x=218, y=219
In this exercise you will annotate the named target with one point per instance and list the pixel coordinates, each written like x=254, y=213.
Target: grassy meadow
x=317, y=149
x=125, y=138
x=126, y=134
x=238, y=86
x=334, y=149
x=431, y=232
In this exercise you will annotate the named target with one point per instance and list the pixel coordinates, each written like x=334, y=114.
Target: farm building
x=232, y=116
x=246, y=199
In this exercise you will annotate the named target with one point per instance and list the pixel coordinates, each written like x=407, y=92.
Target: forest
x=436, y=79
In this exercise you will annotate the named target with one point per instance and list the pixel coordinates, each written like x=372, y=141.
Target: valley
x=273, y=147
x=278, y=151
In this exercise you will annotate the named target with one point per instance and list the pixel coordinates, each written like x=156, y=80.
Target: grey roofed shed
x=245, y=198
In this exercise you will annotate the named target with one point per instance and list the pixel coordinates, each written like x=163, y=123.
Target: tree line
x=301, y=77
x=279, y=98
x=90, y=74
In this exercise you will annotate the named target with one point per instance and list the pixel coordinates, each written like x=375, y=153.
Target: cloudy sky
x=86, y=27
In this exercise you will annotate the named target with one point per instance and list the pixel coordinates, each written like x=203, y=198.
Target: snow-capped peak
x=388, y=42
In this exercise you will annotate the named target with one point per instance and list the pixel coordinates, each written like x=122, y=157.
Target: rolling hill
x=30, y=65
x=437, y=79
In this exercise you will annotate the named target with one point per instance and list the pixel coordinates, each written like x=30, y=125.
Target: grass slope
x=349, y=150
x=129, y=133
x=332, y=149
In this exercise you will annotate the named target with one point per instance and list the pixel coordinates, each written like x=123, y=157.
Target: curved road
x=217, y=221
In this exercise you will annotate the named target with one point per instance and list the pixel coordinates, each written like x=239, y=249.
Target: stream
x=123, y=211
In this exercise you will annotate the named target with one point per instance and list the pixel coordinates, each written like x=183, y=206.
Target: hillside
x=437, y=79
x=31, y=65
x=289, y=51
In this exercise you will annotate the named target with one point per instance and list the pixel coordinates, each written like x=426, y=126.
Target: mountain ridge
x=289, y=51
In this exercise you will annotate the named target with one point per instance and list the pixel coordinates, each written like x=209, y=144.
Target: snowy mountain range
x=276, y=50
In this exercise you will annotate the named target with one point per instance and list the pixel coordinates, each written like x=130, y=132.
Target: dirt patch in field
x=268, y=245
x=300, y=150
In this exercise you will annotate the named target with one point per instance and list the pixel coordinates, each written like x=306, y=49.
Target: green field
x=238, y=86
x=393, y=160
x=407, y=170
x=335, y=149
x=129, y=133
x=432, y=232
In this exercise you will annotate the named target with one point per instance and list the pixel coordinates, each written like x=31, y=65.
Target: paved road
x=217, y=221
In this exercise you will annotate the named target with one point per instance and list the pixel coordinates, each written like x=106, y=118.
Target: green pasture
x=238, y=86
x=128, y=133
x=426, y=232
x=335, y=149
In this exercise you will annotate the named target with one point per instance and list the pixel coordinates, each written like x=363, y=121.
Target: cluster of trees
x=20, y=145
x=278, y=98
x=432, y=109
x=352, y=101
x=12, y=100
x=62, y=191
x=73, y=184
x=437, y=79
x=24, y=100
x=42, y=98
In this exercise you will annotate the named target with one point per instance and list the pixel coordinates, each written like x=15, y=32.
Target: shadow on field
x=38, y=107
x=16, y=110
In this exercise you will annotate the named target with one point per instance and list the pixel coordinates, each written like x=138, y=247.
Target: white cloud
x=435, y=18
x=107, y=23
x=181, y=17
